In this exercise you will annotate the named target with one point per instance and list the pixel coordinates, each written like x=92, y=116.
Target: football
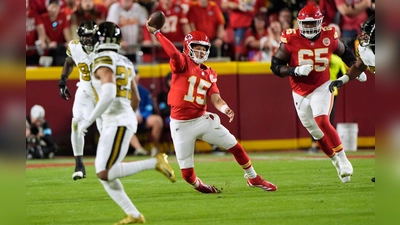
x=157, y=20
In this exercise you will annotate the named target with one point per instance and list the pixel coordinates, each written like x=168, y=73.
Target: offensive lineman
x=118, y=97
x=304, y=55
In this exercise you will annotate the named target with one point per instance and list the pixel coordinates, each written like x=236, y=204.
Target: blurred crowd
x=239, y=30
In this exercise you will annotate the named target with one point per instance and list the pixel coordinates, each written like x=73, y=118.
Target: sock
x=189, y=176
x=243, y=159
x=325, y=146
x=117, y=193
x=77, y=141
x=78, y=160
x=332, y=142
x=124, y=169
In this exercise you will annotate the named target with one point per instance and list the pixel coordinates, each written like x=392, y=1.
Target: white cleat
x=78, y=175
x=344, y=170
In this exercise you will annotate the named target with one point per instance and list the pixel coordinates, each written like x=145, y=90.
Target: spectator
x=262, y=40
x=176, y=25
x=206, y=16
x=330, y=12
x=70, y=7
x=57, y=32
x=240, y=18
x=285, y=18
x=293, y=6
x=39, y=138
x=35, y=33
x=87, y=10
x=147, y=121
x=40, y=6
x=131, y=17
x=353, y=14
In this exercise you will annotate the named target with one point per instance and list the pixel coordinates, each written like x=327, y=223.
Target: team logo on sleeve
x=326, y=41
x=212, y=79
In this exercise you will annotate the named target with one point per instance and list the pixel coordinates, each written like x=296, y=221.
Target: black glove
x=335, y=83
x=64, y=92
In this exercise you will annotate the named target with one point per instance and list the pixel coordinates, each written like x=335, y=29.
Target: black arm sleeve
x=276, y=65
x=348, y=56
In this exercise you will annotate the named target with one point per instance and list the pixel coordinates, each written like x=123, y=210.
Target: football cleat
x=163, y=166
x=207, y=189
x=79, y=173
x=344, y=169
x=129, y=219
x=261, y=183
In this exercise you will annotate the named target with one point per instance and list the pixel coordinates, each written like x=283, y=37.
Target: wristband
x=344, y=78
x=223, y=108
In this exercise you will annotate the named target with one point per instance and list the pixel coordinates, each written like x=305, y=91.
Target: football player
x=118, y=97
x=304, y=56
x=78, y=53
x=366, y=49
x=191, y=84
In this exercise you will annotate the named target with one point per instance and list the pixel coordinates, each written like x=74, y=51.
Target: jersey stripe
x=116, y=148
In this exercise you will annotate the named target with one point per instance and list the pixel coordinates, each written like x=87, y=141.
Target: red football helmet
x=196, y=38
x=309, y=14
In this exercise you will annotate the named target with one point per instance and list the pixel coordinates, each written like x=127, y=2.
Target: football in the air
x=157, y=20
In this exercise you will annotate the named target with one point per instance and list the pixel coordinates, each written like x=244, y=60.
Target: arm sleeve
x=108, y=93
x=177, y=59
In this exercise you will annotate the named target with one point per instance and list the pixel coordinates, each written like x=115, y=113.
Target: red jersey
x=191, y=84
x=310, y=52
x=240, y=19
x=54, y=29
x=352, y=22
x=206, y=19
x=174, y=17
x=32, y=20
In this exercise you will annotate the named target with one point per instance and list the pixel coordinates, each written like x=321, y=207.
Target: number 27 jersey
x=120, y=112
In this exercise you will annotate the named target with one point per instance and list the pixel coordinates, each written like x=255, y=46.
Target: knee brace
x=313, y=129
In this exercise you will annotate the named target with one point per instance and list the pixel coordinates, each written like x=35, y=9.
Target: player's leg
x=82, y=106
x=215, y=133
x=112, y=148
x=321, y=104
x=184, y=138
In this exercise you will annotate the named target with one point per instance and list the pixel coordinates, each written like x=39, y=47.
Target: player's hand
x=335, y=83
x=83, y=126
x=229, y=112
x=362, y=77
x=303, y=70
x=150, y=29
x=64, y=92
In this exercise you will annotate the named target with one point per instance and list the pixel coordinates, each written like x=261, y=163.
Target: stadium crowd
x=241, y=30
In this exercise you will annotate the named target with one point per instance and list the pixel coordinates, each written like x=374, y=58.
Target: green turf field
x=309, y=192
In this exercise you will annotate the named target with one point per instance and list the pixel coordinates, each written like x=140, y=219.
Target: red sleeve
x=177, y=59
x=214, y=87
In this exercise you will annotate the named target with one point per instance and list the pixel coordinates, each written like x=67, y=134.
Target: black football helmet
x=108, y=37
x=367, y=37
x=85, y=32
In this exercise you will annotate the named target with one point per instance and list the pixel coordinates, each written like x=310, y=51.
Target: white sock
x=117, y=193
x=77, y=142
x=124, y=169
x=250, y=172
x=196, y=183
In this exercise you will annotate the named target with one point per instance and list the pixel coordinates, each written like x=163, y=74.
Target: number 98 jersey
x=82, y=60
x=120, y=112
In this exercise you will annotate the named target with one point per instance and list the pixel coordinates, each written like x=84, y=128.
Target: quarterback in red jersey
x=304, y=55
x=191, y=84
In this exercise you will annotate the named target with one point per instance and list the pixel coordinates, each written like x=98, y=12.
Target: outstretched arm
x=177, y=58
x=221, y=105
